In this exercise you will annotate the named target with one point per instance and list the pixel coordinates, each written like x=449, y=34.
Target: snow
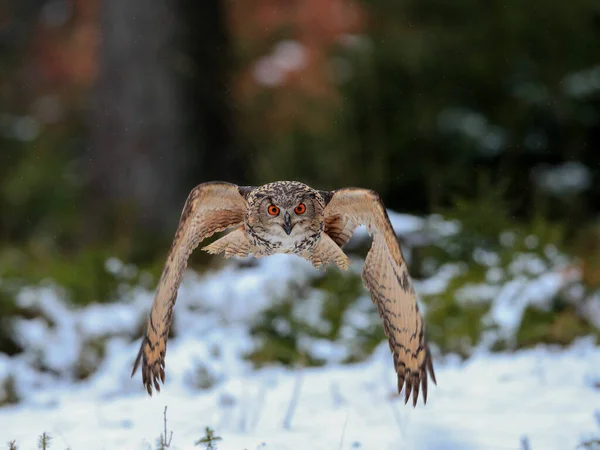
x=491, y=139
x=288, y=56
x=591, y=309
x=564, y=179
x=403, y=224
x=546, y=395
x=490, y=401
x=583, y=83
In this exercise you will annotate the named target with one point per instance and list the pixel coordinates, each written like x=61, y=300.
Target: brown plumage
x=290, y=217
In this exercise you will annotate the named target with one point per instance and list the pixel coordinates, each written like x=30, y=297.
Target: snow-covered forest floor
x=545, y=397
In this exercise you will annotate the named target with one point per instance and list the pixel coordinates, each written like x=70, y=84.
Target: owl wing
x=209, y=208
x=386, y=277
x=339, y=228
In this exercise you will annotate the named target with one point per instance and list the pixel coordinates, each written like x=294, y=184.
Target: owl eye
x=300, y=209
x=273, y=210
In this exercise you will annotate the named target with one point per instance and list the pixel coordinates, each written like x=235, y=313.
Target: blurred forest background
x=111, y=111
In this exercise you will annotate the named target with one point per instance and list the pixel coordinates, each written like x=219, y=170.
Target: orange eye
x=273, y=210
x=300, y=209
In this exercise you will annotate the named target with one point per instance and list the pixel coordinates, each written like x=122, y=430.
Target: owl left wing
x=209, y=208
x=386, y=277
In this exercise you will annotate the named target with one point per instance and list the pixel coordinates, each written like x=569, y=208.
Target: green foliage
x=484, y=215
x=8, y=309
x=452, y=326
x=437, y=111
x=315, y=312
x=590, y=444
x=487, y=251
x=341, y=290
x=482, y=254
x=559, y=325
x=209, y=440
x=84, y=276
x=204, y=378
x=439, y=105
x=8, y=392
x=587, y=248
x=278, y=332
x=90, y=358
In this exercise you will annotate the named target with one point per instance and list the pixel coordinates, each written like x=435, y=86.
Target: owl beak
x=287, y=224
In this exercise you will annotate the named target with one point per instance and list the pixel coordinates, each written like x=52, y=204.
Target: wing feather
x=339, y=228
x=386, y=277
x=209, y=208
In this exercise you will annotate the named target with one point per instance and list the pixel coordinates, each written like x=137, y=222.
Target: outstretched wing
x=386, y=277
x=209, y=208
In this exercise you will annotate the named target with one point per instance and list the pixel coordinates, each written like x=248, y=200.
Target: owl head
x=285, y=216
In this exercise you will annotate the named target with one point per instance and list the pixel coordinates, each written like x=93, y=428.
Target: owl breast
x=271, y=243
x=298, y=244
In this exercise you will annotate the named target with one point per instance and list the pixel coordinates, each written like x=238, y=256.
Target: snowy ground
x=489, y=402
x=548, y=396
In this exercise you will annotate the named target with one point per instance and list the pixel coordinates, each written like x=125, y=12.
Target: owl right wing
x=209, y=208
x=386, y=277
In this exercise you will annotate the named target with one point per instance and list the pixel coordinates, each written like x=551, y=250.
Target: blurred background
x=484, y=116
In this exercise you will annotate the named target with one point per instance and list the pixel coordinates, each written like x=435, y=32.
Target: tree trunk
x=162, y=118
x=210, y=99
x=138, y=150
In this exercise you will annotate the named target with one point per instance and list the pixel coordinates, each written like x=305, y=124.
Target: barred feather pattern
x=386, y=276
x=334, y=216
x=209, y=208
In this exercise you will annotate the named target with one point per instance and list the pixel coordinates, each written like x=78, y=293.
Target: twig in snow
x=44, y=441
x=344, y=430
x=162, y=442
x=262, y=395
x=287, y=421
x=336, y=397
x=397, y=418
x=64, y=440
x=393, y=402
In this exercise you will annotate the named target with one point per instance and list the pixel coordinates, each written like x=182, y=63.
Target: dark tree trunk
x=210, y=99
x=138, y=150
x=162, y=119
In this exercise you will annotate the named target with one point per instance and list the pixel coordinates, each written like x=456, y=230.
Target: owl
x=291, y=217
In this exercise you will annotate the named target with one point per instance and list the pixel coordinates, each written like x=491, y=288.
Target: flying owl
x=291, y=217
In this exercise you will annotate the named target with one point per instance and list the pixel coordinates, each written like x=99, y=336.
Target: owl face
x=285, y=217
